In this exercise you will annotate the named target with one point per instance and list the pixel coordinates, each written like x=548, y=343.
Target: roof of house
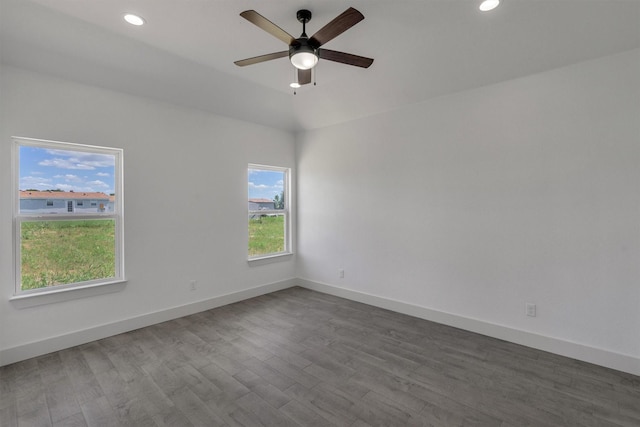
x=62, y=195
x=260, y=201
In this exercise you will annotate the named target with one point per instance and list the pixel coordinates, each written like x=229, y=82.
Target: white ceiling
x=422, y=49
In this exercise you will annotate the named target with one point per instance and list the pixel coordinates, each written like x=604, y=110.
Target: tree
x=278, y=200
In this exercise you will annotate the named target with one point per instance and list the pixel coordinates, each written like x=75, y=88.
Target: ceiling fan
x=304, y=52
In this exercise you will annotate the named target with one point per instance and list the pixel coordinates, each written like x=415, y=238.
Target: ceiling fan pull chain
x=295, y=79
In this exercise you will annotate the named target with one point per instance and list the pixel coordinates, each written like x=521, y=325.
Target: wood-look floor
x=298, y=357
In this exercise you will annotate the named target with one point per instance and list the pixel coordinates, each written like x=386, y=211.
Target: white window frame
x=18, y=218
x=286, y=212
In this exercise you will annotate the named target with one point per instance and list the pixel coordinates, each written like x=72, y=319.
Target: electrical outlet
x=193, y=285
x=341, y=273
x=530, y=309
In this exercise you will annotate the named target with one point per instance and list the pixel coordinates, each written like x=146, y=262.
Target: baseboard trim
x=597, y=356
x=38, y=348
x=606, y=358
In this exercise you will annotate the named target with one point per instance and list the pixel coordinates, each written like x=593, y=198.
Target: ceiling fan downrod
x=304, y=16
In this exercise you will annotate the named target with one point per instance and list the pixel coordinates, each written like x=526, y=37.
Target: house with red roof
x=261, y=204
x=65, y=202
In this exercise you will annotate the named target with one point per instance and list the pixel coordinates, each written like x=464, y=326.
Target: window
x=60, y=242
x=269, y=219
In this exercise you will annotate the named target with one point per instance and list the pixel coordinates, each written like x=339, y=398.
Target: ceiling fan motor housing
x=302, y=45
x=307, y=53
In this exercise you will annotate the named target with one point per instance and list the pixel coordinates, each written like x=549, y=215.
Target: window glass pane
x=60, y=181
x=266, y=189
x=266, y=234
x=62, y=252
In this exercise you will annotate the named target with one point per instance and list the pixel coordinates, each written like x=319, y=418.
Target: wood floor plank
x=336, y=409
x=33, y=404
x=194, y=408
x=271, y=375
x=96, y=358
x=240, y=417
x=9, y=415
x=301, y=358
x=268, y=415
x=164, y=377
x=293, y=371
x=61, y=399
x=98, y=412
x=123, y=400
x=171, y=418
x=151, y=397
x=302, y=415
x=224, y=381
x=75, y=420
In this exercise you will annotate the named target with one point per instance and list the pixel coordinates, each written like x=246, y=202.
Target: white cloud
x=65, y=164
x=69, y=178
x=275, y=188
x=77, y=160
x=35, y=182
x=67, y=187
x=258, y=186
x=86, y=188
x=103, y=174
x=98, y=183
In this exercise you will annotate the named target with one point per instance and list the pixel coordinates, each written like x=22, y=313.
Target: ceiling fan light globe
x=304, y=60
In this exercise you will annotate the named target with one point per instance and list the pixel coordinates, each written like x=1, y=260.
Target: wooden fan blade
x=261, y=58
x=339, y=25
x=304, y=77
x=271, y=28
x=345, y=58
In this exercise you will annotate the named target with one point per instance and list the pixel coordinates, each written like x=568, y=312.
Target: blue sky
x=51, y=169
x=265, y=184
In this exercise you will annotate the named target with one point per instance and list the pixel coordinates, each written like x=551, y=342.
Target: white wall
x=470, y=204
x=475, y=203
x=185, y=205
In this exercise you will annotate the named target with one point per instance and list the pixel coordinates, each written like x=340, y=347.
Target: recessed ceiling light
x=133, y=19
x=488, y=5
x=295, y=85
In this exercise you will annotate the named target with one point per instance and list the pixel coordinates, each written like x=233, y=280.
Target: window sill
x=66, y=294
x=268, y=259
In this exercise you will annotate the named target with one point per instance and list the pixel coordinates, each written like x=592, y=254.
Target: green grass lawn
x=61, y=252
x=266, y=235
